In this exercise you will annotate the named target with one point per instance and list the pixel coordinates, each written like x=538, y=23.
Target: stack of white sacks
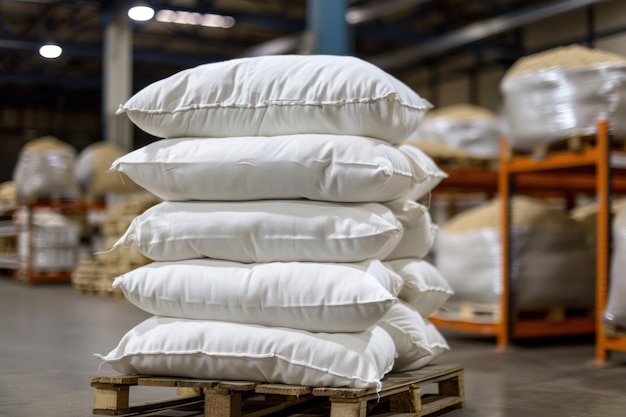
x=275, y=259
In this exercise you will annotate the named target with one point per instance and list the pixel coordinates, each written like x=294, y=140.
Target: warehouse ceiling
x=395, y=34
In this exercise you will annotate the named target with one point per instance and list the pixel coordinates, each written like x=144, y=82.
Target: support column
x=117, y=67
x=328, y=30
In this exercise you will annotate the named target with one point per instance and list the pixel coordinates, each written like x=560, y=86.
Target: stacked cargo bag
x=460, y=131
x=51, y=244
x=587, y=215
x=560, y=93
x=424, y=291
x=94, y=181
x=8, y=195
x=615, y=312
x=269, y=244
x=552, y=263
x=45, y=169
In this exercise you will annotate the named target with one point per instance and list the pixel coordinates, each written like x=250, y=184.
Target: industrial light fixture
x=194, y=18
x=50, y=50
x=141, y=12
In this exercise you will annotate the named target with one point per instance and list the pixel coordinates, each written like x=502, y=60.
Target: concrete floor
x=49, y=333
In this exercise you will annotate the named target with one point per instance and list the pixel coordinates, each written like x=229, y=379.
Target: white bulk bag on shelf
x=472, y=129
x=51, y=243
x=92, y=174
x=615, y=312
x=561, y=93
x=552, y=264
x=45, y=168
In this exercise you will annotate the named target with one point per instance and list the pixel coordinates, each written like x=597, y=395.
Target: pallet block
x=400, y=393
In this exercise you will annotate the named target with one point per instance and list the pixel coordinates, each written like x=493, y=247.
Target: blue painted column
x=329, y=32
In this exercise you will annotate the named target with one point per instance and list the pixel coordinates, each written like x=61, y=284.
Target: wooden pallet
x=527, y=324
x=613, y=331
x=491, y=313
x=400, y=393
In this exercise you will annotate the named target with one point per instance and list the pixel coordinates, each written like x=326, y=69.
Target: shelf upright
x=597, y=169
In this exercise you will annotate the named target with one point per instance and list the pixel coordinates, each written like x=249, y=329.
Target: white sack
x=264, y=231
x=279, y=95
x=318, y=297
x=207, y=349
x=335, y=168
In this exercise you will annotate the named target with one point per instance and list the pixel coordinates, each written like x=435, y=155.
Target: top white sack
x=279, y=95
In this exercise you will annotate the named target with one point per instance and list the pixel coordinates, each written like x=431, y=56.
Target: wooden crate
x=400, y=393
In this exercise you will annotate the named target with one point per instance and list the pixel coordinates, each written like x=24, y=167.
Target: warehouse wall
x=560, y=30
x=20, y=124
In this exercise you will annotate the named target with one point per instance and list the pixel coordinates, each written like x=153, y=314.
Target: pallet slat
x=400, y=393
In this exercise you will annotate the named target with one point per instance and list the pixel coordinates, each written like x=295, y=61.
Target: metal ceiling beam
x=354, y=16
x=66, y=82
x=364, y=14
x=475, y=32
x=281, y=45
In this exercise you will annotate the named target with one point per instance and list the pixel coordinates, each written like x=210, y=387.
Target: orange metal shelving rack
x=588, y=170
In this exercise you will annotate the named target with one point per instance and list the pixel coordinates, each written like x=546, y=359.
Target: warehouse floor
x=49, y=333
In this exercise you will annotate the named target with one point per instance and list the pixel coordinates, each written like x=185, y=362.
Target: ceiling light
x=141, y=13
x=50, y=50
x=193, y=18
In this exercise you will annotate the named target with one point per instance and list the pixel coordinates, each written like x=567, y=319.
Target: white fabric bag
x=335, y=168
x=424, y=289
x=419, y=229
x=318, y=297
x=264, y=231
x=408, y=331
x=206, y=349
x=279, y=95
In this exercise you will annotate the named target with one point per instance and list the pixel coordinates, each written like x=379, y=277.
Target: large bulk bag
x=561, y=93
x=45, y=168
x=465, y=127
x=552, y=265
x=93, y=175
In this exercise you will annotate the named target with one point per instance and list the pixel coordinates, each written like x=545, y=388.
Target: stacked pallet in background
x=94, y=274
